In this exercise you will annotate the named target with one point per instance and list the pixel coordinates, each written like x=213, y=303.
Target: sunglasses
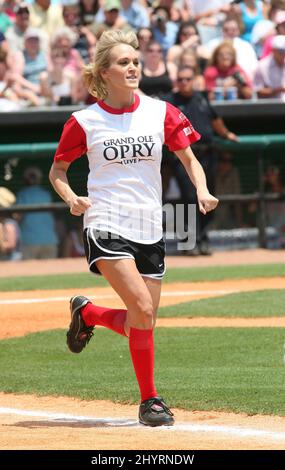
x=184, y=79
x=154, y=50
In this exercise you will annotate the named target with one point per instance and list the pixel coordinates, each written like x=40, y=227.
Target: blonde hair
x=91, y=72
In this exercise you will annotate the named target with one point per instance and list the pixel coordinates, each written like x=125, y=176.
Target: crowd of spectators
x=235, y=47
x=191, y=51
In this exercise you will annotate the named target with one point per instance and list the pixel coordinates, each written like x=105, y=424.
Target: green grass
x=81, y=280
x=262, y=303
x=240, y=370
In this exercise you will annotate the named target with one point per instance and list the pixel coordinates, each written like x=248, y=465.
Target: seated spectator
x=157, y=76
x=189, y=58
x=85, y=38
x=135, y=14
x=208, y=15
x=279, y=22
x=39, y=238
x=15, y=34
x=58, y=84
x=164, y=30
x=48, y=18
x=111, y=18
x=250, y=12
x=144, y=37
x=269, y=79
x=65, y=39
x=88, y=11
x=34, y=59
x=225, y=76
x=187, y=39
x=10, y=238
x=246, y=56
x=178, y=10
x=13, y=95
x=227, y=181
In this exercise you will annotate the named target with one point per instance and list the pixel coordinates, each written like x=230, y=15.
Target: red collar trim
x=129, y=109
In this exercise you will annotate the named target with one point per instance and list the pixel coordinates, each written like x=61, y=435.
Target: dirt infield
x=75, y=265
x=53, y=423
x=31, y=422
x=17, y=319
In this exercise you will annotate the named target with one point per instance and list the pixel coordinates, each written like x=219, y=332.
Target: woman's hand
x=206, y=201
x=79, y=205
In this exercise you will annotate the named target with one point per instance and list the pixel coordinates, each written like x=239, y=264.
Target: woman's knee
x=142, y=313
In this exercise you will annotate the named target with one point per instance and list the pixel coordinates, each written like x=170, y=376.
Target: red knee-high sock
x=142, y=352
x=111, y=318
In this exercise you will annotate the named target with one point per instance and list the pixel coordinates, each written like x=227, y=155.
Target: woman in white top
x=122, y=134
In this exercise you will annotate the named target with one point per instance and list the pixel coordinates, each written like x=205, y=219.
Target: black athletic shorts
x=149, y=259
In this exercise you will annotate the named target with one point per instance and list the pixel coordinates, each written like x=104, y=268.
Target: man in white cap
x=269, y=79
x=15, y=34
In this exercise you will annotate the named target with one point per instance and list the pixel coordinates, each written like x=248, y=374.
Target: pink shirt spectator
x=212, y=73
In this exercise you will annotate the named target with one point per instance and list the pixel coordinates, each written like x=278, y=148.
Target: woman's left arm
x=206, y=201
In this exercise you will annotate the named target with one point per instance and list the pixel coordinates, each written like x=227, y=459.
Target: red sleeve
x=72, y=144
x=178, y=130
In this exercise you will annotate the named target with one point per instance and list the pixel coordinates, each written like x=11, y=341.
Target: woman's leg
x=141, y=297
x=154, y=288
x=125, y=279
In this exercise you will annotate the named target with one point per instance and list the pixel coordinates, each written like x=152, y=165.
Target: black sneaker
x=78, y=334
x=154, y=412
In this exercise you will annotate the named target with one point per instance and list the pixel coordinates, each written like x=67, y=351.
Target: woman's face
x=64, y=44
x=186, y=32
x=154, y=52
x=225, y=59
x=123, y=72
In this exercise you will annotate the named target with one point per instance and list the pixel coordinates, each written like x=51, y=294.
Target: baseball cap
x=32, y=33
x=21, y=8
x=279, y=17
x=278, y=42
x=112, y=5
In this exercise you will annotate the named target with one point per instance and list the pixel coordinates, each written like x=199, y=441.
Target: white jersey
x=124, y=149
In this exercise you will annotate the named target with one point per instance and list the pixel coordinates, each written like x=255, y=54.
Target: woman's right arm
x=58, y=178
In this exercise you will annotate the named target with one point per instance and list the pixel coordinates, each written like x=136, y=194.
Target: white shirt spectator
x=201, y=6
x=269, y=74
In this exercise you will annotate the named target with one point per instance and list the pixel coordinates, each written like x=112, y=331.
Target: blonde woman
x=123, y=134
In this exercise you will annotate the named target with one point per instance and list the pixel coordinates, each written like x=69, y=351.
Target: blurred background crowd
x=235, y=48
x=192, y=52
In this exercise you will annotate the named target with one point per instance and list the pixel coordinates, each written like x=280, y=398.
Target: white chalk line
x=127, y=422
x=113, y=296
